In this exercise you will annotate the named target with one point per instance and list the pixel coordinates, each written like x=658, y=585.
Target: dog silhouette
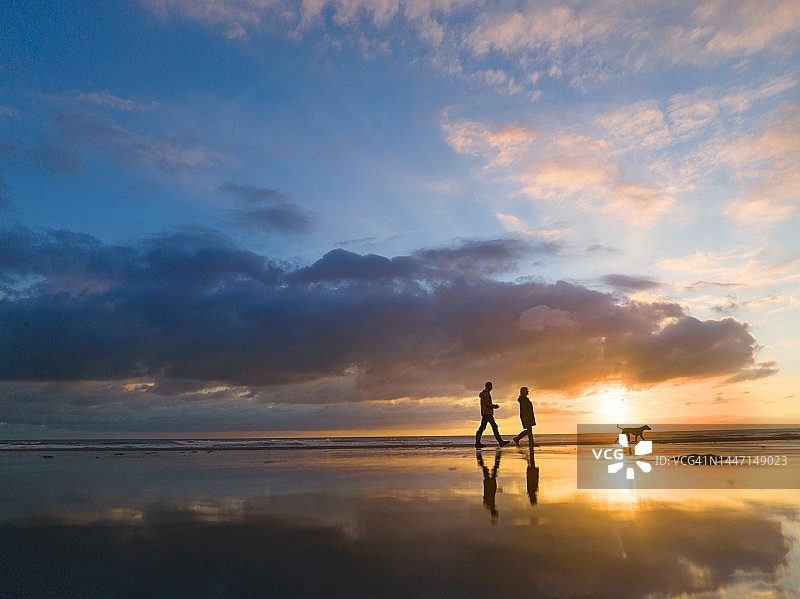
x=635, y=432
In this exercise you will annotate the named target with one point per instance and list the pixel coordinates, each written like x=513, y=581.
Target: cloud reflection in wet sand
x=412, y=541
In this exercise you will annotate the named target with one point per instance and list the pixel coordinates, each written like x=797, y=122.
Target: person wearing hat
x=526, y=416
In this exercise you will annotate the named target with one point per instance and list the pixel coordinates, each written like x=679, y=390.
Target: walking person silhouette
x=526, y=416
x=487, y=417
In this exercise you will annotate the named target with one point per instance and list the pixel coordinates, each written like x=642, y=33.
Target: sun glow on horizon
x=609, y=403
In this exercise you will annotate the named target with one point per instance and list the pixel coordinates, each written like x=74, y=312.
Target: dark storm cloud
x=192, y=306
x=629, y=283
x=484, y=258
x=466, y=259
x=74, y=262
x=341, y=265
x=265, y=209
x=60, y=260
x=197, y=406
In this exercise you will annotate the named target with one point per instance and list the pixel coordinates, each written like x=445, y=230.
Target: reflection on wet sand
x=412, y=528
x=489, y=482
x=532, y=477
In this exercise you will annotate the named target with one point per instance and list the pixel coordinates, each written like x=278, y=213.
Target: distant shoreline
x=378, y=443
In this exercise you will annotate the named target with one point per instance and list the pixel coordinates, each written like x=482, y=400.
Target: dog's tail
x=619, y=427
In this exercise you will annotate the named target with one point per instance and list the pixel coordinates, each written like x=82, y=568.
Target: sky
x=270, y=217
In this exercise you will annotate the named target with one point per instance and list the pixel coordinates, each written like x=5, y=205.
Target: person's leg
x=518, y=438
x=529, y=431
x=496, y=430
x=480, y=430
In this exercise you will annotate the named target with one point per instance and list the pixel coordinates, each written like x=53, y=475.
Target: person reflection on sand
x=489, y=483
x=532, y=477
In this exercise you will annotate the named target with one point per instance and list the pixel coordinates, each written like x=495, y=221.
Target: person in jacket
x=526, y=416
x=487, y=417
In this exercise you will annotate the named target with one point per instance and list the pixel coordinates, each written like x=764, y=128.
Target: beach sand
x=379, y=523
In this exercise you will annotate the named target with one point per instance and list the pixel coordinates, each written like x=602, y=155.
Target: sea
x=766, y=433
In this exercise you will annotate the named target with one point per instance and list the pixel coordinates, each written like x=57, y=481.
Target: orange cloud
x=768, y=166
x=562, y=166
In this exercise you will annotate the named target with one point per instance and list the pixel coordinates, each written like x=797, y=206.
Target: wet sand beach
x=380, y=522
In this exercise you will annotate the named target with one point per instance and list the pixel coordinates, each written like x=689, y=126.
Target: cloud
x=234, y=19
x=725, y=29
x=767, y=166
x=192, y=306
x=679, y=148
x=252, y=13
x=730, y=306
x=739, y=268
x=592, y=181
x=106, y=99
x=691, y=114
x=130, y=147
x=468, y=259
x=543, y=25
x=596, y=248
x=637, y=125
x=629, y=283
x=510, y=222
x=689, y=347
x=65, y=263
x=621, y=38
x=759, y=371
x=250, y=542
x=540, y=318
x=213, y=12
x=510, y=45
x=499, y=80
x=503, y=144
x=557, y=37
x=265, y=209
x=562, y=166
